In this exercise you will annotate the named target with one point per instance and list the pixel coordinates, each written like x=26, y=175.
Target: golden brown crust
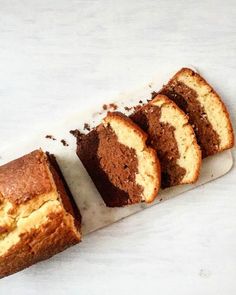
x=203, y=82
x=25, y=178
x=129, y=123
x=39, y=244
x=37, y=230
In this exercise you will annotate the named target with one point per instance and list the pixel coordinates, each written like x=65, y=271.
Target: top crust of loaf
x=214, y=107
x=190, y=153
x=25, y=178
x=130, y=135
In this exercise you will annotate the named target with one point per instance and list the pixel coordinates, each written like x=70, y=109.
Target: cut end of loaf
x=37, y=219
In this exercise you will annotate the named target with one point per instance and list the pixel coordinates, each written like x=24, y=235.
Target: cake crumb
x=77, y=133
x=128, y=108
x=109, y=106
x=153, y=94
x=50, y=137
x=113, y=106
x=64, y=142
x=87, y=126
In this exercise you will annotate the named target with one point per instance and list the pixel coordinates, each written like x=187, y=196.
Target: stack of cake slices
x=160, y=145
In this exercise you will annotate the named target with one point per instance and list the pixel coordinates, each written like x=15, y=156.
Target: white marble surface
x=58, y=56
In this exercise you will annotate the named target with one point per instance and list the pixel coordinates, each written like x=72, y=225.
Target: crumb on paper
x=140, y=101
x=87, y=126
x=153, y=94
x=49, y=136
x=150, y=85
x=77, y=133
x=64, y=142
x=111, y=106
x=128, y=108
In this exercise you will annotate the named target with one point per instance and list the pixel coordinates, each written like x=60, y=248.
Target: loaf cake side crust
x=39, y=225
x=25, y=178
x=206, y=110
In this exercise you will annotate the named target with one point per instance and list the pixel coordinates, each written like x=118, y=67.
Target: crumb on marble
x=111, y=106
x=49, y=136
x=64, y=142
x=128, y=108
x=87, y=127
x=77, y=133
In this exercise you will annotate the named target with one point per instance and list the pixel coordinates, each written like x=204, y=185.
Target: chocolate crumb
x=64, y=142
x=77, y=133
x=50, y=137
x=128, y=109
x=113, y=106
x=154, y=93
x=140, y=101
x=87, y=126
x=109, y=106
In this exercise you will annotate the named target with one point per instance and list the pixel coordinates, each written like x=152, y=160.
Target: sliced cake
x=38, y=217
x=124, y=170
x=207, y=113
x=173, y=138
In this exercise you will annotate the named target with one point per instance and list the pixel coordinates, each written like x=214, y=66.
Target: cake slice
x=207, y=113
x=173, y=138
x=124, y=170
x=38, y=217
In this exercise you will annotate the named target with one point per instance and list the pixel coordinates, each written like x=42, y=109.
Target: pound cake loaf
x=38, y=217
x=124, y=170
x=207, y=113
x=173, y=138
